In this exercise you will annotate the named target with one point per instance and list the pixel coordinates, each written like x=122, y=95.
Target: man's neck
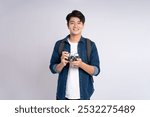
x=74, y=38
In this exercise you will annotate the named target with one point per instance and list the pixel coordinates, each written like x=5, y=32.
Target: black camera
x=73, y=57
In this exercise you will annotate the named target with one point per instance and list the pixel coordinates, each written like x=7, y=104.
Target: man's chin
x=76, y=33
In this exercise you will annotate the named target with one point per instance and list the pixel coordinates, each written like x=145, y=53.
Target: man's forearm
x=59, y=67
x=88, y=68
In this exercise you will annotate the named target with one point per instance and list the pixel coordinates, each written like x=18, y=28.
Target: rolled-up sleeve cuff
x=95, y=71
x=54, y=68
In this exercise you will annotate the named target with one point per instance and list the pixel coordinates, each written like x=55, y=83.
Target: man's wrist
x=62, y=64
x=81, y=64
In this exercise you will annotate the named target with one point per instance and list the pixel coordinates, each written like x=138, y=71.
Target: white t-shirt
x=72, y=87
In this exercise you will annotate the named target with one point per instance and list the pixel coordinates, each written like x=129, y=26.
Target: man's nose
x=75, y=25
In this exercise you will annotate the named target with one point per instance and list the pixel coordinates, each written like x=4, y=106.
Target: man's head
x=75, y=22
x=75, y=13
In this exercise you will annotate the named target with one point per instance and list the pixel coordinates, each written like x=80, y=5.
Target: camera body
x=73, y=57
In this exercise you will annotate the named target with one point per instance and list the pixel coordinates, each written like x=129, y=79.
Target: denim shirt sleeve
x=95, y=59
x=55, y=58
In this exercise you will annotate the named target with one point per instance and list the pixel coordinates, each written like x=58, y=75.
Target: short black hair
x=75, y=13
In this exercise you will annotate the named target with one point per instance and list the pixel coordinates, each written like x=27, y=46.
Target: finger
x=78, y=59
x=64, y=52
x=64, y=58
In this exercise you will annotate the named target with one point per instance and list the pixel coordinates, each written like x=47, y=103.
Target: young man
x=75, y=70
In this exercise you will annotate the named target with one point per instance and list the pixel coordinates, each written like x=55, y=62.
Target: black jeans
x=67, y=99
x=71, y=99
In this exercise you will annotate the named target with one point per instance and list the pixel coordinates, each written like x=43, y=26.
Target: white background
x=30, y=28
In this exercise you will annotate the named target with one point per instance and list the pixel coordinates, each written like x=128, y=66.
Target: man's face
x=75, y=26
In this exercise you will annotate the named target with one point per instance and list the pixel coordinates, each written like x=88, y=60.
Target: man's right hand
x=64, y=58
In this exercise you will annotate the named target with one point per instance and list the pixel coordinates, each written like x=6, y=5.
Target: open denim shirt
x=85, y=79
